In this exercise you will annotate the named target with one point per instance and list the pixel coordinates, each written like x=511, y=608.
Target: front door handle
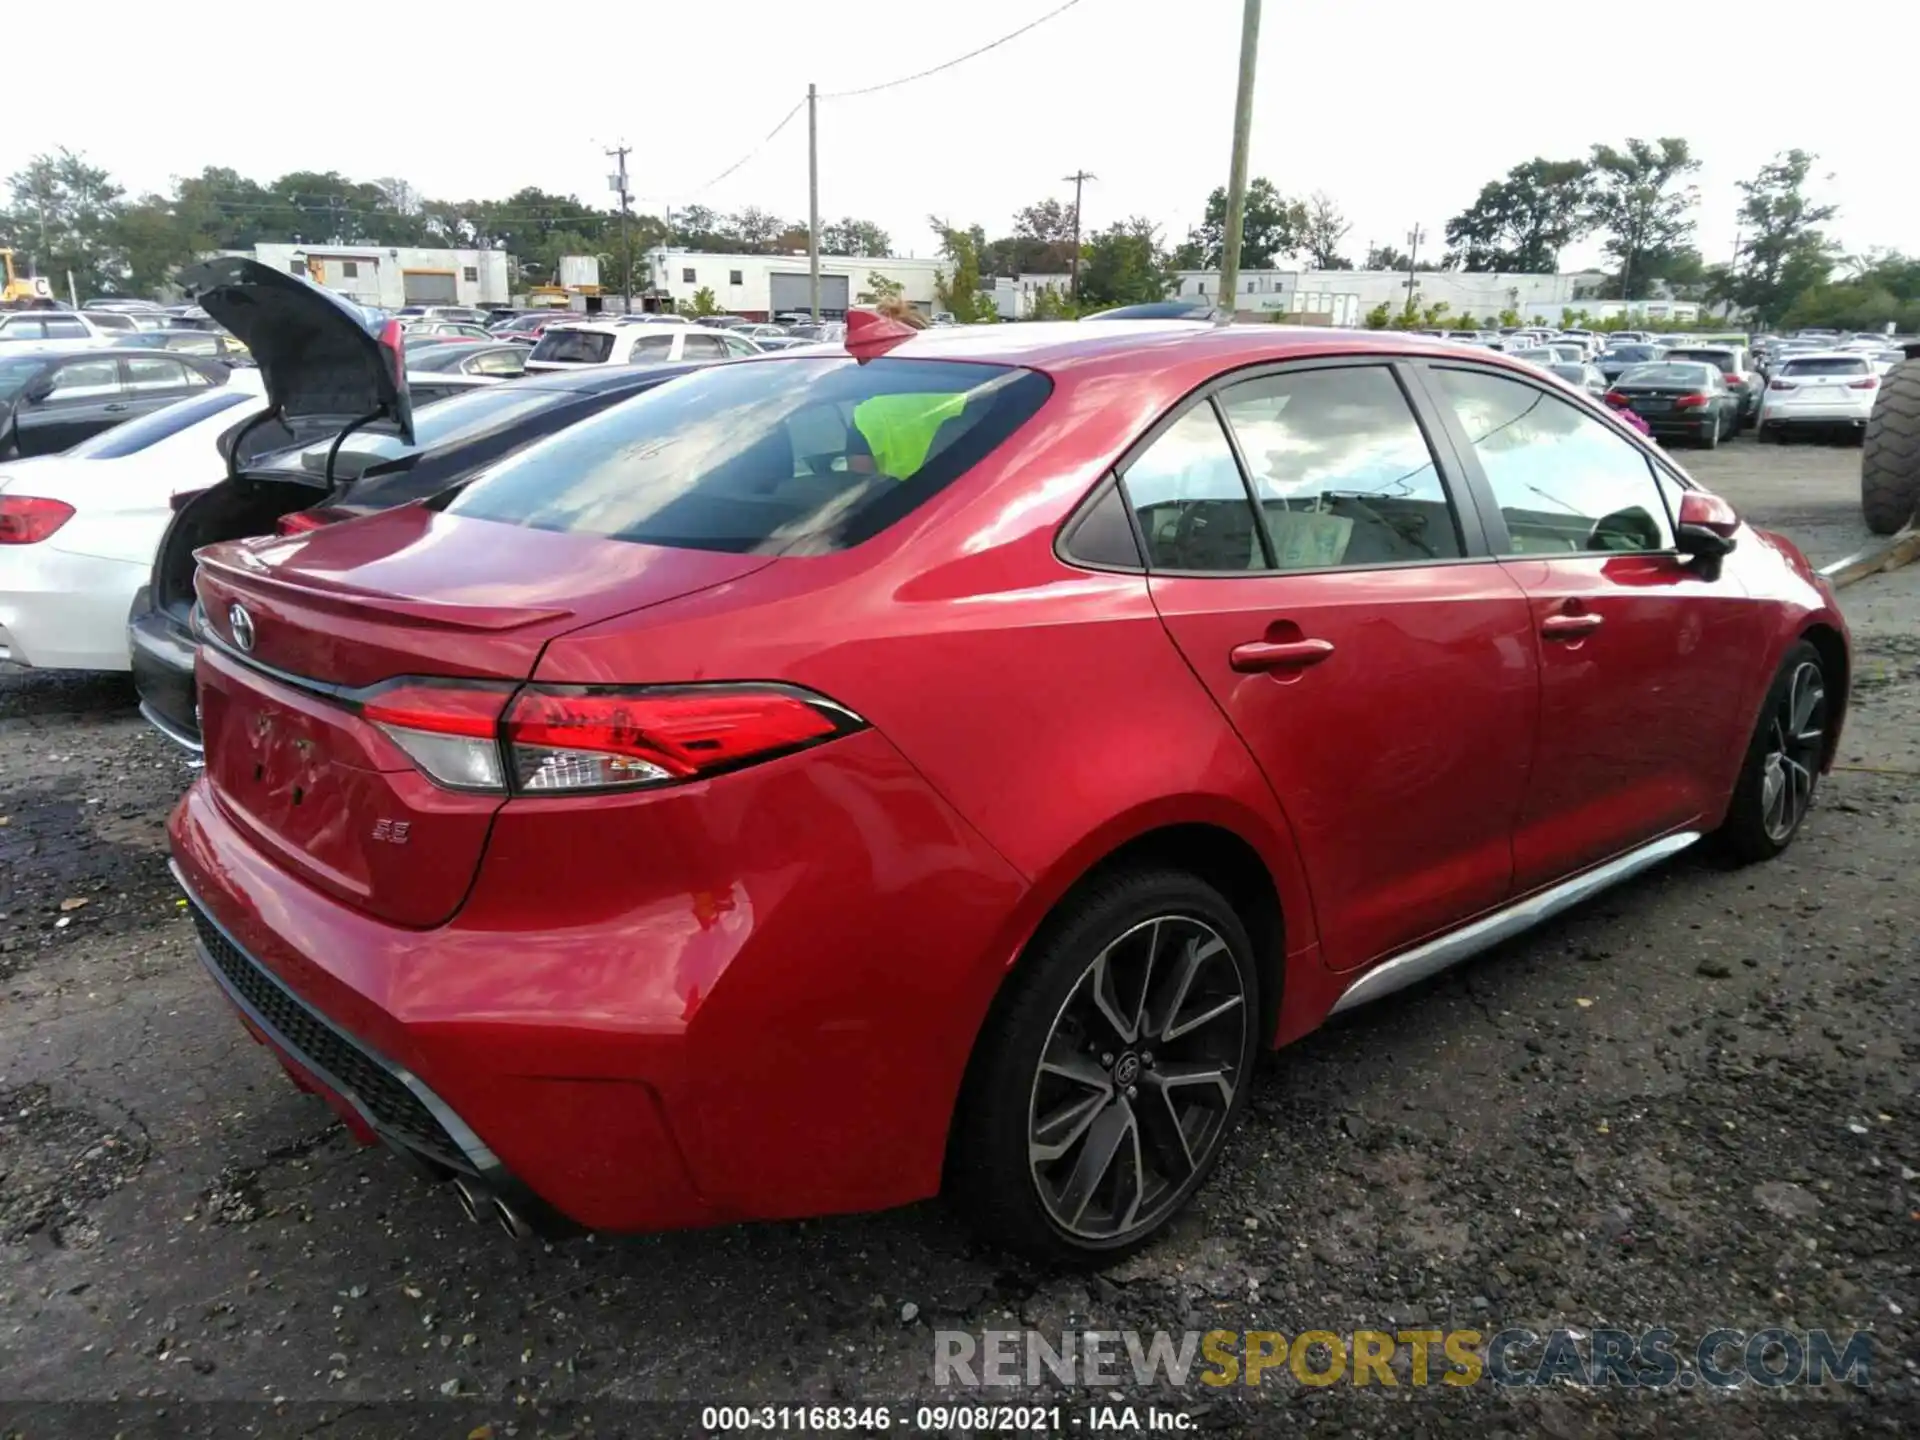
x=1258, y=656
x=1569, y=627
x=113, y=409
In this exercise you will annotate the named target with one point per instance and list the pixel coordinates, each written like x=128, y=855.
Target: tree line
x=1638, y=199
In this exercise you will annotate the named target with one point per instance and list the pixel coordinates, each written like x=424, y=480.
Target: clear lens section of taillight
x=451, y=731
x=572, y=738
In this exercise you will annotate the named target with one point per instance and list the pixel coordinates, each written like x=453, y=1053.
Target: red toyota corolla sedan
x=836, y=778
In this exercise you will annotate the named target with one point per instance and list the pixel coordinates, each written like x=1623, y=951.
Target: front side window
x=1341, y=469
x=801, y=457
x=86, y=379
x=159, y=373
x=1191, y=502
x=1564, y=482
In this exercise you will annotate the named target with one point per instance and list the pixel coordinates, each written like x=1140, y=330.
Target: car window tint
x=656, y=347
x=136, y=435
x=1341, y=470
x=86, y=378
x=578, y=347
x=66, y=330
x=716, y=459
x=193, y=343
x=1563, y=480
x=1192, y=503
x=703, y=347
x=159, y=373
x=1825, y=365
x=500, y=362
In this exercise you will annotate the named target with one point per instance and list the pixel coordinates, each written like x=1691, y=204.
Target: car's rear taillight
x=302, y=521
x=1869, y=383
x=28, y=519
x=1780, y=385
x=1614, y=398
x=563, y=739
x=450, y=730
x=575, y=737
x=1691, y=402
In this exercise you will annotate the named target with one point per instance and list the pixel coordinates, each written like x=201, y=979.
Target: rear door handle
x=1258, y=656
x=1569, y=627
x=113, y=409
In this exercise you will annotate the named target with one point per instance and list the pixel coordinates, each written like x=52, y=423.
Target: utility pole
x=619, y=179
x=1414, y=237
x=813, y=201
x=1079, y=178
x=1237, y=177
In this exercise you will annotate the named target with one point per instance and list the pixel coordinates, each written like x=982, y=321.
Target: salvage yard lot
x=1691, y=1104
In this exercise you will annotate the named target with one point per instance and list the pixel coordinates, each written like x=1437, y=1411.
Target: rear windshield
x=580, y=347
x=155, y=426
x=1667, y=375
x=1825, y=365
x=790, y=456
x=441, y=422
x=1631, y=354
x=1723, y=359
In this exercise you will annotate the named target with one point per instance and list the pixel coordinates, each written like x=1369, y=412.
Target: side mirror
x=1707, y=525
x=39, y=390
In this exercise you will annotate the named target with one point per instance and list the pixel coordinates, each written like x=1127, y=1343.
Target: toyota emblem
x=242, y=625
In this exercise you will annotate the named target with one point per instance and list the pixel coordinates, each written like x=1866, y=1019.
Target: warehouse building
x=762, y=286
x=390, y=276
x=1345, y=296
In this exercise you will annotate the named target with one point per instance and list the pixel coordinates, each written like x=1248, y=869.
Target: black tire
x=994, y=1174
x=1753, y=829
x=1890, y=454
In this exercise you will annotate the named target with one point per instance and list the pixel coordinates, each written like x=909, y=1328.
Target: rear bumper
x=751, y=998
x=161, y=650
x=60, y=611
x=1814, y=420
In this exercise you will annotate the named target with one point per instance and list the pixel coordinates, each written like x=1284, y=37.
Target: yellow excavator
x=23, y=289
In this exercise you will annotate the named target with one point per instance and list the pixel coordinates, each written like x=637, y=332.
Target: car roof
x=600, y=379
x=1824, y=355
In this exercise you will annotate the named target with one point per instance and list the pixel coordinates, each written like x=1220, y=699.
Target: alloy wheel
x=1795, y=735
x=1137, y=1079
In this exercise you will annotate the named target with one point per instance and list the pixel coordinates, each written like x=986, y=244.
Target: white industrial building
x=762, y=286
x=391, y=277
x=1345, y=296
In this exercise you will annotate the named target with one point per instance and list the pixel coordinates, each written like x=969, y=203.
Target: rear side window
x=779, y=457
x=1825, y=365
x=150, y=429
x=577, y=347
x=1341, y=469
x=1191, y=502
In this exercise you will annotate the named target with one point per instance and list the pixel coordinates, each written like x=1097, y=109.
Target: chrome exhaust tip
x=472, y=1201
x=510, y=1220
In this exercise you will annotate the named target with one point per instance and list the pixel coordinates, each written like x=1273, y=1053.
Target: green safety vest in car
x=899, y=429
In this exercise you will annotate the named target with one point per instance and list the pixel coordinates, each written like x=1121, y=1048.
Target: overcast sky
x=1399, y=110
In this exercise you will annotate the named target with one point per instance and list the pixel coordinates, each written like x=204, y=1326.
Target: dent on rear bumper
x=749, y=998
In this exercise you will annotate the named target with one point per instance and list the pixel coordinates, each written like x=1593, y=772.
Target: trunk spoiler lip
x=336, y=598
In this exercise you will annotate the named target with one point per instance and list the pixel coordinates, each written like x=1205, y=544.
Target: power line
x=750, y=154
x=957, y=60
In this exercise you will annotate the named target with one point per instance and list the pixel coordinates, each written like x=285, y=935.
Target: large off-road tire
x=1111, y=1072
x=1890, y=454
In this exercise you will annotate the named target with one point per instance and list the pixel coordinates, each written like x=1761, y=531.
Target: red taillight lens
x=1871, y=382
x=301, y=522
x=1614, y=398
x=451, y=731
x=27, y=519
x=1780, y=385
x=569, y=738
x=1691, y=402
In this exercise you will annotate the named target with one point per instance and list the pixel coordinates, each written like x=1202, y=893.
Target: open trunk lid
x=313, y=630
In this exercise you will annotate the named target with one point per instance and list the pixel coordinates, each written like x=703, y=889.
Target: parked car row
x=650, y=796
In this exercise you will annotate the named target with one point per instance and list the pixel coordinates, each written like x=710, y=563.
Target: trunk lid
x=317, y=357
x=306, y=626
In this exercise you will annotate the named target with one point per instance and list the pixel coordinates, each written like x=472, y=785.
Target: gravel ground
x=1689, y=1104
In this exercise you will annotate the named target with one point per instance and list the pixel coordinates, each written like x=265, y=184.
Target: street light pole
x=1237, y=177
x=1414, y=237
x=813, y=201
